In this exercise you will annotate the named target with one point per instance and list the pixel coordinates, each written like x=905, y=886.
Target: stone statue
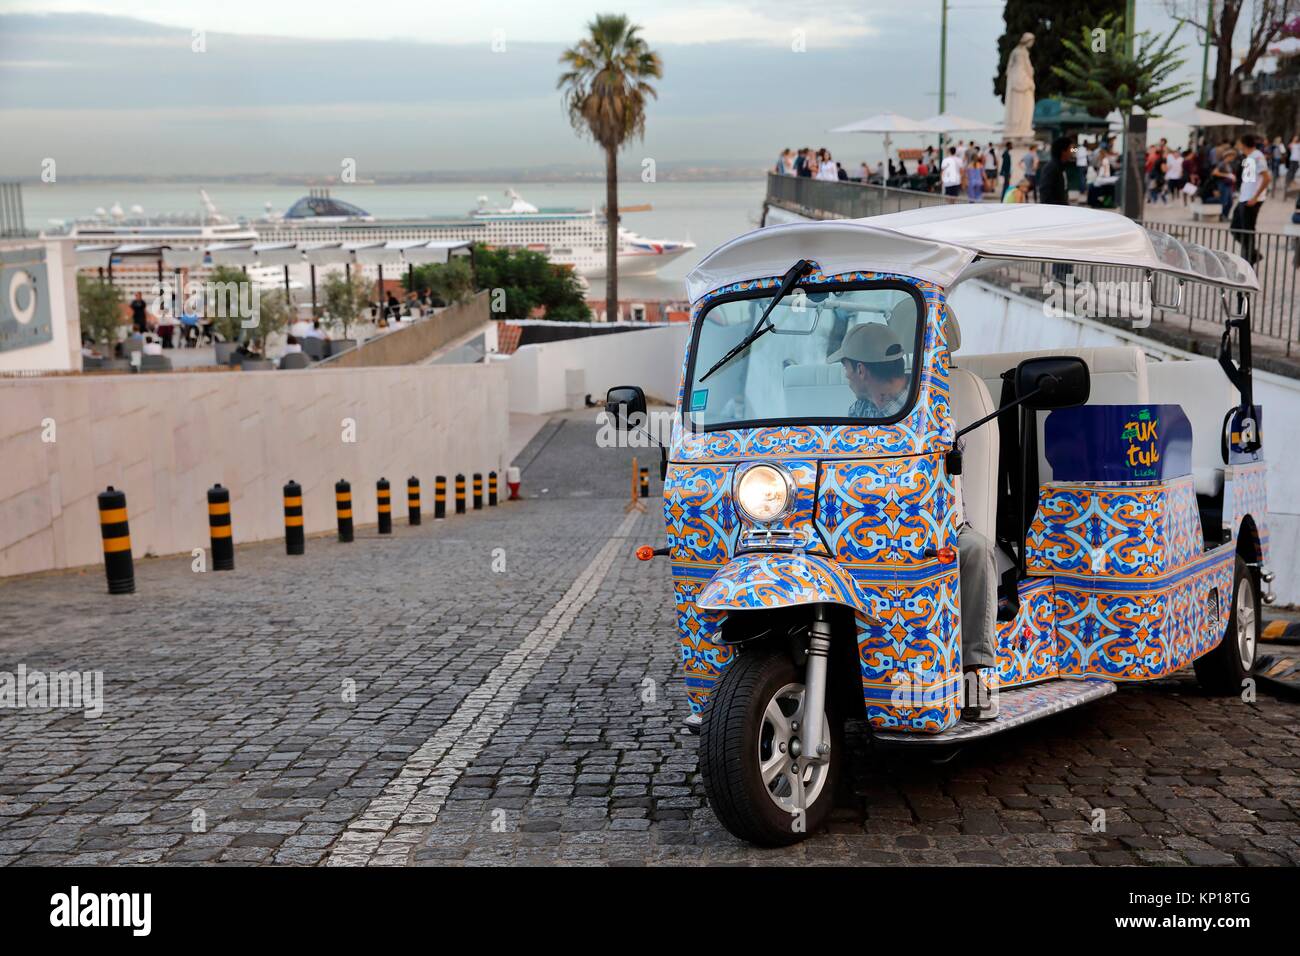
x=1018, y=124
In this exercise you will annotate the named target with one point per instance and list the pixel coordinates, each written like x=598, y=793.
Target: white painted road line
x=416, y=795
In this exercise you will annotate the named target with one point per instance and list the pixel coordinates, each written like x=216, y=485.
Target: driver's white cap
x=871, y=342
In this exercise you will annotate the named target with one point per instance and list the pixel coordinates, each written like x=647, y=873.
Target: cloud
x=255, y=103
x=720, y=23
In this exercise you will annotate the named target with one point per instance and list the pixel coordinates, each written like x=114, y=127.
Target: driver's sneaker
x=980, y=686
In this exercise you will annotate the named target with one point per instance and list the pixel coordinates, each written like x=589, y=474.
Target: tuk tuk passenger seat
x=978, y=482
x=1118, y=376
x=971, y=401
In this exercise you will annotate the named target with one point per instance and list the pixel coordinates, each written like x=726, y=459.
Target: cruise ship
x=572, y=237
x=569, y=237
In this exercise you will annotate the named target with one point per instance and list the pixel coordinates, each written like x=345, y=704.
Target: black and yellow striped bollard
x=294, y=539
x=645, y=482
x=478, y=491
x=118, y=563
x=492, y=489
x=460, y=494
x=440, y=497
x=223, y=544
x=343, y=504
x=385, y=496
x=413, y=499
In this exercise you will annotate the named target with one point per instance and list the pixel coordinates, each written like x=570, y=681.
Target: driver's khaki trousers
x=979, y=598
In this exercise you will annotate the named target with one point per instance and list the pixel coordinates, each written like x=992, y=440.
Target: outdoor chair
x=295, y=360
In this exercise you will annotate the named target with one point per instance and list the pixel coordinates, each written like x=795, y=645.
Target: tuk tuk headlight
x=762, y=493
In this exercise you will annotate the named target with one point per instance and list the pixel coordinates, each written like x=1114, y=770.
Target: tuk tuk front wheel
x=759, y=782
x=1224, y=669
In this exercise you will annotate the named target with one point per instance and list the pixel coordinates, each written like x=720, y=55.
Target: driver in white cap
x=873, y=361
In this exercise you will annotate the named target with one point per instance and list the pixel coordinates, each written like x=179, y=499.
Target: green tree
x=229, y=289
x=451, y=282
x=606, y=83
x=100, y=307
x=520, y=280
x=1048, y=21
x=344, y=299
x=1101, y=75
x=274, y=315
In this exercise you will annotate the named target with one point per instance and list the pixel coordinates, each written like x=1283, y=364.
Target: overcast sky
x=115, y=86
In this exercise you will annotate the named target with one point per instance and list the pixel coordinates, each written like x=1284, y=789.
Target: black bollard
x=219, y=528
x=343, y=503
x=645, y=482
x=294, y=541
x=478, y=491
x=460, y=494
x=440, y=497
x=385, y=506
x=413, y=500
x=492, y=489
x=118, y=563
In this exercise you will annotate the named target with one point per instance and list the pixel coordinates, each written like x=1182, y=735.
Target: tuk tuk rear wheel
x=1224, y=669
x=749, y=746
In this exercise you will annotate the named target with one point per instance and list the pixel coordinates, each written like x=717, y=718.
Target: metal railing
x=845, y=199
x=1272, y=309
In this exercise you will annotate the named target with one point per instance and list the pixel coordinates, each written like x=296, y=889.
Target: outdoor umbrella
x=951, y=123
x=886, y=123
x=1199, y=116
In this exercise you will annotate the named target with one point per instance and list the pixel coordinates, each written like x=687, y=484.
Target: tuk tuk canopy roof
x=942, y=244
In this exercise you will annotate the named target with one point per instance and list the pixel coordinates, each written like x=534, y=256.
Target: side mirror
x=1054, y=381
x=624, y=401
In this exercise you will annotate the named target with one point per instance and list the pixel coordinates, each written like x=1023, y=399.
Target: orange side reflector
x=946, y=555
x=645, y=553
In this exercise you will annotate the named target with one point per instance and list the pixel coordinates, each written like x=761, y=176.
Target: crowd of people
x=969, y=169
x=1235, y=177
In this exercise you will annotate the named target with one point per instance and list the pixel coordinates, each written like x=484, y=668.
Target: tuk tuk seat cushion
x=1206, y=395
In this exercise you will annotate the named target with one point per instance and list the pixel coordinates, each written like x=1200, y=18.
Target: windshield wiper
x=797, y=271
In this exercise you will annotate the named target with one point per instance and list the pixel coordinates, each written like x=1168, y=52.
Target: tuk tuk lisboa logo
x=75, y=909
x=1098, y=300
x=1143, y=452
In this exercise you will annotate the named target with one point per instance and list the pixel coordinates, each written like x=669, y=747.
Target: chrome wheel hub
x=1246, y=623
x=791, y=781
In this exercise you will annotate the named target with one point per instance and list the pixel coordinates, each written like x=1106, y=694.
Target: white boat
x=572, y=237
x=128, y=246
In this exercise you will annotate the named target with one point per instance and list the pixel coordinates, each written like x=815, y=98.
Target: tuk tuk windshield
x=839, y=354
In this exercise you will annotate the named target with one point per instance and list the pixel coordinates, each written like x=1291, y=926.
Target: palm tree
x=606, y=85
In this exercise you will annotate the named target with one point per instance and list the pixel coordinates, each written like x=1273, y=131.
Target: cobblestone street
x=534, y=716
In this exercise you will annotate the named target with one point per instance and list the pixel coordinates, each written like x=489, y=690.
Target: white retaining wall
x=554, y=376
x=166, y=438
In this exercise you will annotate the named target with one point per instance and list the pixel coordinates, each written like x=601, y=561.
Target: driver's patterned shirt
x=866, y=408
